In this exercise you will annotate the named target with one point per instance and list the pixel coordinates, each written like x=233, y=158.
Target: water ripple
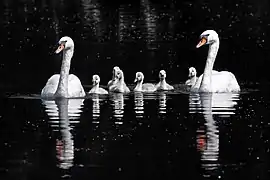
x=64, y=114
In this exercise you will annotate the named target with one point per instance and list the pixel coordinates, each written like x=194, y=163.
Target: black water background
x=137, y=36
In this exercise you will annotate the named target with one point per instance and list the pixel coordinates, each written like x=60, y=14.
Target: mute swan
x=64, y=84
x=192, y=77
x=113, y=81
x=120, y=86
x=146, y=87
x=96, y=89
x=163, y=85
x=216, y=82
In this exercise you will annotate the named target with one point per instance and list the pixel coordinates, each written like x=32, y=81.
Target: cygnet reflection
x=162, y=97
x=118, y=107
x=139, y=104
x=96, y=108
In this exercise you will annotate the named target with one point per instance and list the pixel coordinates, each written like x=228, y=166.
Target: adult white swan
x=217, y=82
x=64, y=85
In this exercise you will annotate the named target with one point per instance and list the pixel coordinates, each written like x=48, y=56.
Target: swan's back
x=51, y=86
x=148, y=87
x=102, y=91
x=75, y=88
x=222, y=82
x=163, y=87
x=98, y=91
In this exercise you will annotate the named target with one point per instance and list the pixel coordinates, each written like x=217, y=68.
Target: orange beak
x=201, y=43
x=60, y=48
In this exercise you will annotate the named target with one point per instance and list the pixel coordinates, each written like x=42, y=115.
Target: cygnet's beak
x=135, y=80
x=60, y=48
x=202, y=42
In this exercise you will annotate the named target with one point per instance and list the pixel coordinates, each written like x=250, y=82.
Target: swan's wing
x=75, y=88
x=53, y=80
x=224, y=81
x=51, y=86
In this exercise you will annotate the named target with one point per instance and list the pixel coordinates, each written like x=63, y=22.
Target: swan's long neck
x=207, y=74
x=62, y=89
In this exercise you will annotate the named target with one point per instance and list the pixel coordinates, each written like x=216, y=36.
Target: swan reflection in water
x=63, y=113
x=118, y=107
x=96, y=107
x=139, y=103
x=162, y=97
x=221, y=105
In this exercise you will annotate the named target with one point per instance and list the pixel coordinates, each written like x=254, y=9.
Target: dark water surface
x=135, y=136
x=165, y=135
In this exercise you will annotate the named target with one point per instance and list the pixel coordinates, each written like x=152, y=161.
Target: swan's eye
x=205, y=36
x=63, y=43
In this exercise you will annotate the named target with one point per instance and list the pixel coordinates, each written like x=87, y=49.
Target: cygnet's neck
x=162, y=82
x=62, y=89
x=139, y=85
x=212, y=53
x=95, y=87
x=193, y=79
x=121, y=81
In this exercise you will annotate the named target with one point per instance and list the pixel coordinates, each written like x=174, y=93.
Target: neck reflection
x=210, y=104
x=63, y=113
x=139, y=104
